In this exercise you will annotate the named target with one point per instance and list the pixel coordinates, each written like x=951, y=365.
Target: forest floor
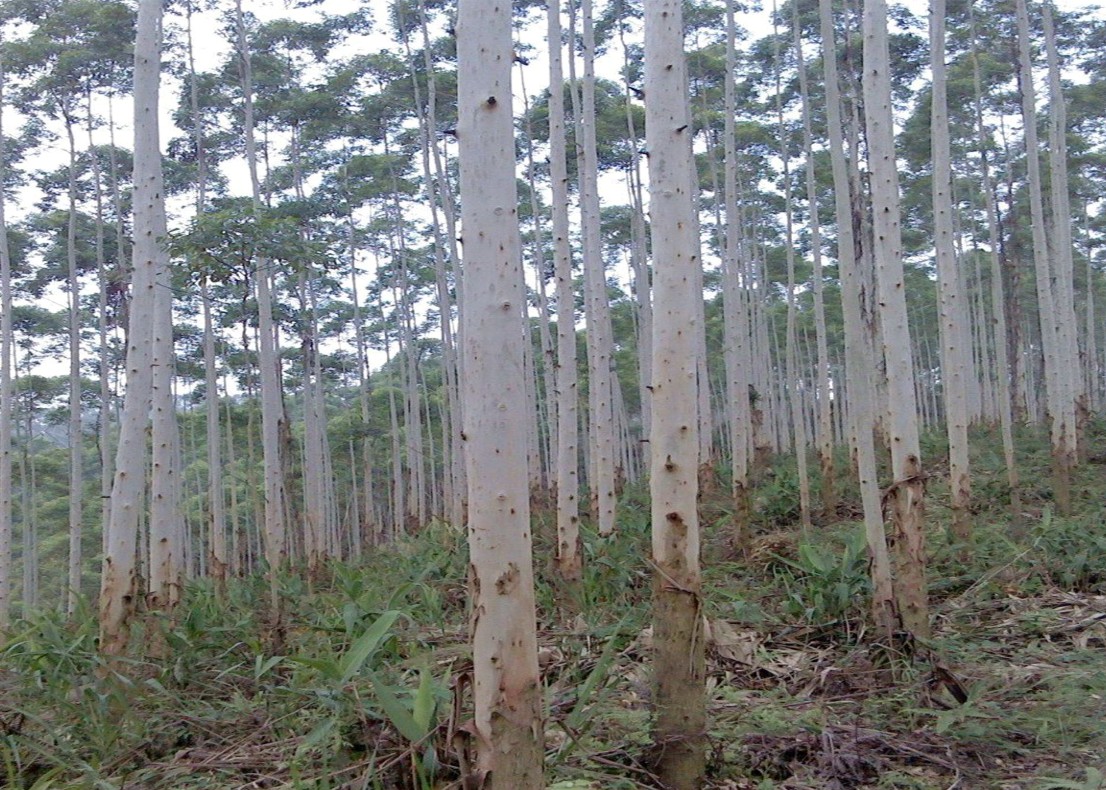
x=364, y=684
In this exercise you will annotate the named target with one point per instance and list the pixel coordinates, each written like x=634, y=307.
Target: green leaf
x=395, y=710
x=365, y=645
x=260, y=668
x=424, y=700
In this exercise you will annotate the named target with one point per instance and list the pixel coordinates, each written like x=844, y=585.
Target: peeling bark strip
x=506, y=687
x=680, y=726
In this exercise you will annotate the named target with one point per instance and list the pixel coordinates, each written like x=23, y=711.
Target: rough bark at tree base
x=679, y=732
x=904, y=504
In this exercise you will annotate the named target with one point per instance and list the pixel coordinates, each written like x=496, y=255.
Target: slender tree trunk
x=735, y=309
x=75, y=432
x=905, y=497
x=599, y=334
x=119, y=581
x=793, y=383
x=1074, y=401
x=1004, y=380
x=679, y=672
x=507, y=687
x=1049, y=307
x=858, y=363
x=955, y=356
x=7, y=414
x=569, y=558
x=824, y=431
x=272, y=412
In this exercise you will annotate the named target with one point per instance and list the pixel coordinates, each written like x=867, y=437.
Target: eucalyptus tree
x=1061, y=250
x=858, y=351
x=1060, y=404
x=119, y=583
x=736, y=351
x=601, y=422
x=824, y=432
x=905, y=496
x=569, y=558
x=679, y=668
x=272, y=408
x=6, y=392
x=507, y=689
x=955, y=351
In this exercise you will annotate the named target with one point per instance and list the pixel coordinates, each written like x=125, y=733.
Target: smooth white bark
x=507, y=687
x=118, y=585
x=674, y=442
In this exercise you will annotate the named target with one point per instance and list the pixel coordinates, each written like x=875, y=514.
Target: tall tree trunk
x=1061, y=413
x=1062, y=253
x=906, y=493
x=75, y=431
x=507, y=687
x=119, y=581
x=824, y=433
x=7, y=415
x=272, y=411
x=955, y=332
x=167, y=549
x=794, y=380
x=599, y=334
x=858, y=363
x=1004, y=379
x=569, y=558
x=679, y=672
x=735, y=309
x=104, y=412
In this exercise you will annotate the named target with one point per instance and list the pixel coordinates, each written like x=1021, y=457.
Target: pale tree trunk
x=75, y=433
x=104, y=412
x=456, y=471
x=1090, y=328
x=569, y=561
x=599, y=340
x=7, y=415
x=272, y=411
x=793, y=384
x=450, y=412
x=858, y=363
x=1060, y=410
x=166, y=522
x=639, y=257
x=955, y=332
x=905, y=497
x=824, y=433
x=548, y=448
x=1074, y=403
x=735, y=313
x=507, y=686
x=369, y=525
x=119, y=582
x=679, y=674
x=216, y=511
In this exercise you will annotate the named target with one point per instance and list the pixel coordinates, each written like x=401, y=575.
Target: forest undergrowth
x=366, y=682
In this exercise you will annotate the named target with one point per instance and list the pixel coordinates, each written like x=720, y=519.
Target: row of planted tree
x=886, y=236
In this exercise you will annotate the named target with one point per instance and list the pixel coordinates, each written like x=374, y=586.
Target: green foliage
x=1068, y=552
x=824, y=584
